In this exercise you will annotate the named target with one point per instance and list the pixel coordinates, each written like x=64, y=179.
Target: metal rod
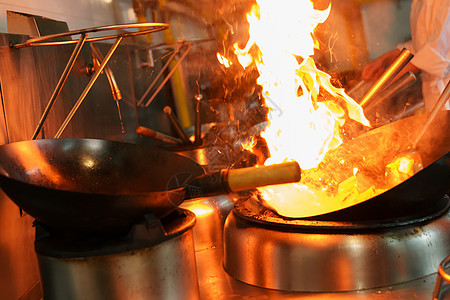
x=109, y=75
x=402, y=83
x=437, y=107
x=158, y=76
x=409, y=111
x=355, y=88
x=169, y=75
x=44, y=40
x=198, y=123
x=60, y=84
x=144, y=131
x=176, y=125
x=397, y=65
x=88, y=87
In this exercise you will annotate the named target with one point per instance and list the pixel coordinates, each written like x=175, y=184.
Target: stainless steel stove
x=264, y=256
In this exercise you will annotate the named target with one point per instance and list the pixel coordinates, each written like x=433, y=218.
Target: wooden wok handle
x=253, y=177
x=226, y=181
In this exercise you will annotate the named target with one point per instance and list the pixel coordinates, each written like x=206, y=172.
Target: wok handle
x=235, y=180
x=253, y=177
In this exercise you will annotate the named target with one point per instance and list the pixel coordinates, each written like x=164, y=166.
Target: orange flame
x=306, y=111
x=223, y=60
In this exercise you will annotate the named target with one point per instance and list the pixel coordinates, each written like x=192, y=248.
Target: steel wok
x=95, y=186
x=371, y=151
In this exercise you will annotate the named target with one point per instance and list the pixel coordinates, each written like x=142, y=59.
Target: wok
x=370, y=153
x=94, y=186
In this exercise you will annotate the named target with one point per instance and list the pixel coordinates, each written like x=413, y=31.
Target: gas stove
x=270, y=257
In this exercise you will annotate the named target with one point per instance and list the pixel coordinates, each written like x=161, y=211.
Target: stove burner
x=251, y=209
x=264, y=249
x=150, y=232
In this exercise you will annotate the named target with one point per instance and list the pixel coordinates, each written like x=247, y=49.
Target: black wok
x=98, y=186
x=371, y=152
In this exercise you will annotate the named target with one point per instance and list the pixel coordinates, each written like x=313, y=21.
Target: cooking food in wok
x=357, y=180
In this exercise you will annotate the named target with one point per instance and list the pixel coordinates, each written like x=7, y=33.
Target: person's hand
x=374, y=69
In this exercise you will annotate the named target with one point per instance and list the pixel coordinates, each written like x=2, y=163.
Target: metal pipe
x=402, y=83
x=176, y=125
x=409, y=111
x=397, y=65
x=109, y=74
x=169, y=75
x=158, y=76
x=355, y=88
x=60, y=84
x=88, y=87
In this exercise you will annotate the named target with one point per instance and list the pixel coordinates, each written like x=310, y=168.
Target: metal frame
x=44, y=40
x=179, y=44
x=166, y=79
x=145, y=28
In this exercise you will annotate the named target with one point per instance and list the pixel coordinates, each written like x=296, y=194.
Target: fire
x=223, y=60
x=306, y=112
x=301, y=127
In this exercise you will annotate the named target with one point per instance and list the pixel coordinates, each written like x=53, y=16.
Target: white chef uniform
x=430, y=43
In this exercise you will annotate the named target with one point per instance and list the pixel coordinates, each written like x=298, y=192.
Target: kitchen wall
x=386, y=24
x=357, y=32
x=78, y=14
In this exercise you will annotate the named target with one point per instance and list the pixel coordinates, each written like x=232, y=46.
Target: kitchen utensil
x=98, y=186
x=364, y=159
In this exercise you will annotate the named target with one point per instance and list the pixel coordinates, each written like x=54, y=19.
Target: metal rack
x=49, y=40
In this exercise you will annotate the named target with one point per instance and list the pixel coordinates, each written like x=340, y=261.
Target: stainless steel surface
x=33, y=25
x=60, y=84
x=211, y=213
x=46, y=39
x=163, y=271
x=216, y=284
x=323, y=261
x=394, y=68
x=155, y=260
x=28, y=77
x=19, y=270
x=88, y=88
